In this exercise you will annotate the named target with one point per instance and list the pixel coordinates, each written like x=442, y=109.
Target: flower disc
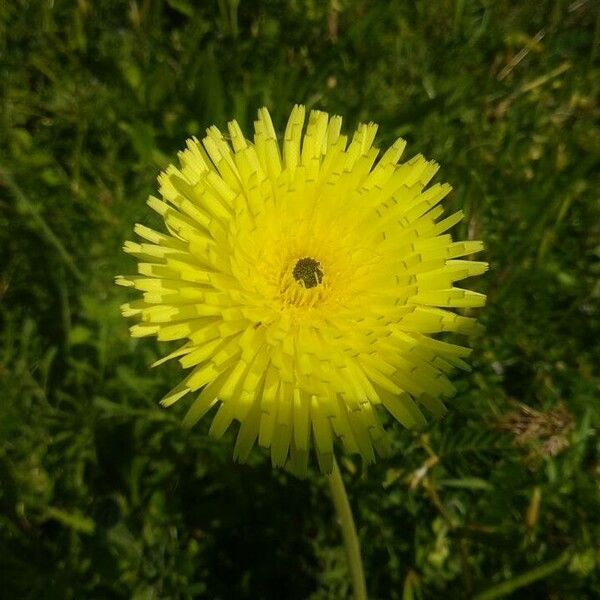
x=307, y=281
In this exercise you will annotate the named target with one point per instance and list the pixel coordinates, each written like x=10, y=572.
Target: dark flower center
x=308, y=270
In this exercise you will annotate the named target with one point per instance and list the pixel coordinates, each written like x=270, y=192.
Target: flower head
x=307, y=281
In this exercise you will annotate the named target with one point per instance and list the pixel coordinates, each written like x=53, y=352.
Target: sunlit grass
x=102, y=494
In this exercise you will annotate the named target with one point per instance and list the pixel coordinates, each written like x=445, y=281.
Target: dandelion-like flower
x=306, y=282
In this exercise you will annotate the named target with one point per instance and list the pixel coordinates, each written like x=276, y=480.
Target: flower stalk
x=346, y=521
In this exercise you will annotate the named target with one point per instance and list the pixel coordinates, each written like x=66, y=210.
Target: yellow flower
x=307, y=282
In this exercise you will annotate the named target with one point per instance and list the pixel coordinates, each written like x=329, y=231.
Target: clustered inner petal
x=307, y=282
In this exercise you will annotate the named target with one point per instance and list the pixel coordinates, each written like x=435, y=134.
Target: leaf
x=468, y=483
x=75, y=521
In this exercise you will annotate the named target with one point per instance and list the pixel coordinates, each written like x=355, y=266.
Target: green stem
x=508, y=587
x=344, y=513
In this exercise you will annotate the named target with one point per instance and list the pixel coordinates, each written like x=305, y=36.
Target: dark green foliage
x=103, y=495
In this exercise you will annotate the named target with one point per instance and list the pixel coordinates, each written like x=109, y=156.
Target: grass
x=103, y=495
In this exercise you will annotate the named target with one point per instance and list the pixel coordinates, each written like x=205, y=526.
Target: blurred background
x=103, y=495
